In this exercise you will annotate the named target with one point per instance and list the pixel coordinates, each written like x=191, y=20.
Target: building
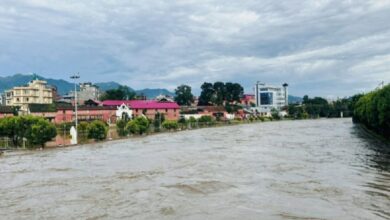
x=37, y=92
x=2, y=99
x=88, y=91
x=6, y=111
x=199, y=111
x=65, y=113
x=270, y=97
x=248, y=100
x=149, y=108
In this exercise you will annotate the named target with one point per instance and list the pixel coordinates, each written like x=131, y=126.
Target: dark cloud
x=328, y=48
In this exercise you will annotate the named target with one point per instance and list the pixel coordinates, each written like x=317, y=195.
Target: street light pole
x=75, y=77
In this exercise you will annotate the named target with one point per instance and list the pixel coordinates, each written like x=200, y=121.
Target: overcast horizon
x=320, y=48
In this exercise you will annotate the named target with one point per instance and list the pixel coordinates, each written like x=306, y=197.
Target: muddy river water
x=312, y=169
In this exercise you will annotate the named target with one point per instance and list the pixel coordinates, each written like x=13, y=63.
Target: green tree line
x=318, y=107
x=373, y=110
x=35, y=130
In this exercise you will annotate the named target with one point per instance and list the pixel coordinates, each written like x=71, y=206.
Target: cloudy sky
x=322, y=47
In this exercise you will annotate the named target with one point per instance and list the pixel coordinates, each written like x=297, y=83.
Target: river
x=310, y=169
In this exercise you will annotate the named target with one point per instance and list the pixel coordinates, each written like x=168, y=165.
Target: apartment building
x=270, y=97
x=36, y=92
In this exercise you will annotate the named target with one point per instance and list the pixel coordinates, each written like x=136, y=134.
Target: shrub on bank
x=139, y=125
x=97, y=130
x=159, y=119
x=36, y=130
x=132, y=127
x=121, y=127
x=170, y=125
x=206, y=119
x=373, y=110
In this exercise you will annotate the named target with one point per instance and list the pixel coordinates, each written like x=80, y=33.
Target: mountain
x=294, y=99
x=104, y=86
x=64, y=86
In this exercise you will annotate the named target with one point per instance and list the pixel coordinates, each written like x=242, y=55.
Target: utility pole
x=75, y=77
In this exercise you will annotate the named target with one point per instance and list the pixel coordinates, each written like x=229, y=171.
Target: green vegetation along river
x=310, y=169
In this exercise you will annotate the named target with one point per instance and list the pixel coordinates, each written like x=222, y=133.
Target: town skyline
x=324, y=48
x=114, y=84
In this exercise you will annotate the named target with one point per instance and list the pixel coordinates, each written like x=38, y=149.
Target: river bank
x=63, y=141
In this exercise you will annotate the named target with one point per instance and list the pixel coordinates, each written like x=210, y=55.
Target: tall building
x=271, y=97
x=88, y=91
x=36, y=92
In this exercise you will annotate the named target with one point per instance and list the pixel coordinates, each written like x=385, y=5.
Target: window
x=266, y=98
x=166, y=110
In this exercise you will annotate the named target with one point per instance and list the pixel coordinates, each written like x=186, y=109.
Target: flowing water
x=312, y=169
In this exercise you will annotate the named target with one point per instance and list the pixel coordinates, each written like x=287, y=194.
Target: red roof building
x=149, y=108
x=247, y=99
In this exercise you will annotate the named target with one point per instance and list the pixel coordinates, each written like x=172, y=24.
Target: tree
x=159, y=118
x=82, y=130
x=206, y=94
x=305, y=99
x=373, y=110
x=121, y=93
x=42, y=131
x=234, y=92
x=97, y=130
x=184, y=95
x=219, y=93
x=121, y=127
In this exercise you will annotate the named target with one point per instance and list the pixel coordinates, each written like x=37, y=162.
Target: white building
x=270, y=97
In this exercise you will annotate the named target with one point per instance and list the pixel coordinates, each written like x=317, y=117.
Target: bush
x=206, y=119
x=170, y=125
x=275, y=114
x=82, y=131
x=121, y=128
x=42, y=131
x=159, y=118
x=132, y=127
x=36, y=130
x=138, y=126
x=97, y=130
x=182, y=120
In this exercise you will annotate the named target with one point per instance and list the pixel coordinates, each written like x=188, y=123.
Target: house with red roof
x=149, y=108
x=248, y=99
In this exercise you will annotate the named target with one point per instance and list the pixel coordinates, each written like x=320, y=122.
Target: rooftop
x=142, y=104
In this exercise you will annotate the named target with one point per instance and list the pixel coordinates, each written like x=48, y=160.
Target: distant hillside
x=294, y=99
x=108, y=85
x=64, y=86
